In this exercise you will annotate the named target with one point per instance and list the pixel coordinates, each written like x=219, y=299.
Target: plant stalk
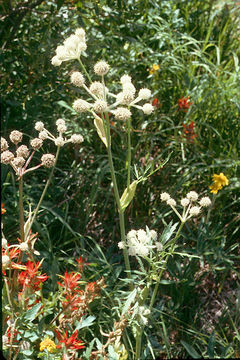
x=21, y=211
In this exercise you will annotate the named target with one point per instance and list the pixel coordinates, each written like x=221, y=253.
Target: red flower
x=70, y=281
x=155, y=103
x=189, y=132
x=3, y=210
x=29, y=277
x=70, y=342
x=184, y=104
x=81, y=262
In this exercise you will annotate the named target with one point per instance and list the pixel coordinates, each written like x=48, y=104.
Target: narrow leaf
x=100, y=130
x=128, y=195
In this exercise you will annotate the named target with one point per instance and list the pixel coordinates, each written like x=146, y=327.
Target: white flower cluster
x=126, y=98
x=71, y=49
x=140, y=242
x=60, y=140
x=188, y=204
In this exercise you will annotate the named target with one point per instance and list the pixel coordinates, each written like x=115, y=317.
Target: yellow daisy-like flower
x=154, y=69
x=219, y=181
x=48, y=344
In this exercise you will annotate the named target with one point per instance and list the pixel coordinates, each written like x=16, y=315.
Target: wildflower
x=205, y=201
x=18, y=162
x=101, y=68
x=139, y=242
x=60, y=122
x=185, y=202
x=154, y=69
x=96, y=88
x=59, y=141
x=128, y=86
x=184, y=104
x=125, y=97
x=55, y=61
x=61, y=128
x=36, y=143
x=155, y=103
x=23, y=246
x=77, y=79
x=126, y=79
x=43, y=135
x=76, y=139
x=22, y=151
x=194, y=211
x=219, y=181
x=147, y=108
x=70, y=280
x=69, y=342
x=144, y=94
x=100, y=106
x=30, y=276
x=165, y=196
x=48, y=344
x=122, y=113
x=48, y=160
x=15, y=136
x=121, y=245
x=6, y=157
x=171, y=202
x=192, y=195
x=3, y=210
x=4, y=144
x=81, y=262
x=39, y=126
x=188, y=131
x=80, y=105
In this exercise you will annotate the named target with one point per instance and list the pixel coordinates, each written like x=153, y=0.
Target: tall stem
x=21, y=213
x=117, y=198
x=129, y=153
x=84, y=70
x=44, y=191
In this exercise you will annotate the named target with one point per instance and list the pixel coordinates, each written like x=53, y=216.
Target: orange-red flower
x=189, y=131
x=69, y=342
x=81, y=263
x=30, y=276
x=184, y=104
x=3, y=210
x=70, y=281
x=155, y=103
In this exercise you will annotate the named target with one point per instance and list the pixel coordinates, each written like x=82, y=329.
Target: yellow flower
x=219, y=181
x=47, y=344
x=154, y=69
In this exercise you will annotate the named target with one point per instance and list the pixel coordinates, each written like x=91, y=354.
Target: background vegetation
x=196, y=45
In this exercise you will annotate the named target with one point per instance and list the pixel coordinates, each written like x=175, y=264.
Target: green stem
x=44, y=192
x=84, y=70
x=129, y=153
x=211, y=207
x=117, y=198
x=21, y=213
x=138, y=342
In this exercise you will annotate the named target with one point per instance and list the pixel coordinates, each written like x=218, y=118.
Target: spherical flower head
x=23, y=151
x=4, y=144
x=76, y=139
x=100, y=106
x=23, y=246
x=126, y=79
x=128, y=86
x=6, y=157
x=185, y=202
x=192, y=195
x=80, y=105
x=153, y=235
x=59, y=141
x=60, y=122
x=131, y=234
x=205, y=201
x=144, y=94
x=125, y=97
x=36, y=143
x=16, y=136
x=61, y=128
x=142, y=250
x=101, y=68
x=5, y=260
x=121, y=245
x=80, y=32
x=77, y=79
x=96, y=88
x=43, y=135
x=18, y=162
x=165, y=196
x=56, y=61
x=171, y=202
x=48, y=160
x=122, y=114
x=142, y=236
x=39, y=126
x=71, y=42
x=132, y=251
x=195, y=210
x=147, y=109
x=48, y=344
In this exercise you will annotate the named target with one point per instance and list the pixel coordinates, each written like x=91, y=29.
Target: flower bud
x=48, y=160
x=39, y=126
x=16, y=136
x=6, y=157
x=22, y=151
x=101, y=68
x=76, y=139
x=18, y=162
x=122, y=113
x=36, y=143
x=77, y=79
x=4, y=144
x=80, y=105
x=147, y=108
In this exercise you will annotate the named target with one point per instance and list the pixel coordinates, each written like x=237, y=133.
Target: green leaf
x=85, y=322
x=32, y=313
x=194, y=354
x=100, y=130
x=167, y=232
x=130, y=299
x=211, y=345
x=128, y=195
x=65, y=105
